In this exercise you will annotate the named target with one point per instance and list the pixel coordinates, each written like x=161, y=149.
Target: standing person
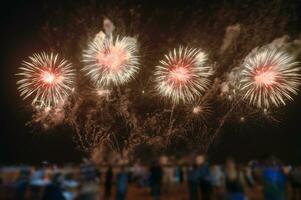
x=168, y=177
x=178, y=176
x=192, y=178
x=121, y=184
x=89, y=181
x=217, y=180
x=108, y=183
x=54, y=191
x=22, y=183
x=37, y=182
x=138, y=174
x=295, y=180
x=181, y=174
x=234, y=181
x=88, y=171
x=155, y=181
x=204, y=177
x=273, y=180
x=70, y=186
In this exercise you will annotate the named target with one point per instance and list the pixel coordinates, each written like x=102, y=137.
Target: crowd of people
x=268, y=179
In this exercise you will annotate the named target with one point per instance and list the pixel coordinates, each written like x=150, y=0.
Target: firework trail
x=270, y=77
x=111, y=61
x=108, y=26
x=46, y=78
x=231, y=35
x=47, y=118
x=182, y=75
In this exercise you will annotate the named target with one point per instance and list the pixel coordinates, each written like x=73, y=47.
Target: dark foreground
x=270, y=180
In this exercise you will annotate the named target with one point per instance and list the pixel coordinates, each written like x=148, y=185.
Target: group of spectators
x=267, y=179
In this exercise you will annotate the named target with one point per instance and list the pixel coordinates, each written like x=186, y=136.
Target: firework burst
x=270, y=77
x=47, y=79
x=198, y=112
x=111, y=61
x=201, y=110
x=183, y=75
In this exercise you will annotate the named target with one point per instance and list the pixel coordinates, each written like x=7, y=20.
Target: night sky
x=22, y=22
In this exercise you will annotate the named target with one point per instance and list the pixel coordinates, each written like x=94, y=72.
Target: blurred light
x=242, y=119
x=196, y=109
x=102, y=92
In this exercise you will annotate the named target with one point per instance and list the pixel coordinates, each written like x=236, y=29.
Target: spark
x=265, y=111
x=203, y=110
x=103, y=92
x=47, y=79
x=270, y=77
x=197, y=110
x=200, y=110
x=183, y=74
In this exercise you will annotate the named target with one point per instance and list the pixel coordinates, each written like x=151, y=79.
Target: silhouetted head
x=230, y=162
x=200, y=159
x=57, y=179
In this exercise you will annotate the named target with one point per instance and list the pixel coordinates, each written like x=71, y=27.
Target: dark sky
x=21, y=23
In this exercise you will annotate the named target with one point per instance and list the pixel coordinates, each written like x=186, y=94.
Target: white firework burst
x=270, y=77
x=183, y=74
x=111, y=61
x=200, y=111
x=47, y=79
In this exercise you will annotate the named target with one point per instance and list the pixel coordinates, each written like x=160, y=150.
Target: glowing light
x=113, y=60
x=270, y=77
x=183, y=74
x=102, y=92
x=201, y=110
x=108, y=61
x=179, y=74
x=265, y=111
x=265, y=76
x=46, y=78
x=197, y=109
x=47, y=109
